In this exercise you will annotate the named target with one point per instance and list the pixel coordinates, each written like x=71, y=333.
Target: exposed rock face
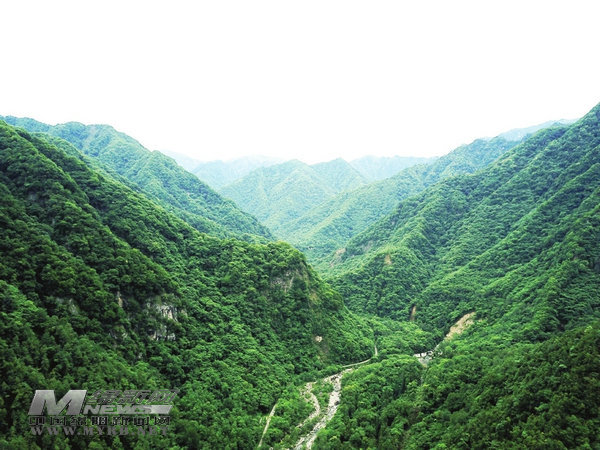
x=167, y=313
x=458, y=328
x=285, y=281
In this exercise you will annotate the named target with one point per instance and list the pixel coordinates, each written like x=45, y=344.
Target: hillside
x=155, y=174
x=487, y=390
x=328, y=226
x=103, y=289
x=338, y=175
x=281, y=193
x=523, y=228
x=187, y=162
x=519, y=133
x=490, y=268
x=515, y=248
x=375, y=168
x=218, y=174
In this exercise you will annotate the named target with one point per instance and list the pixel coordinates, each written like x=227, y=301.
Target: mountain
x=519, y=133
x=483, y=391
x=101, y=288
x=221, y=173
x=279, y=194
x=338, y=175
x=508, y=254
x=453, y=245
x=375, y=168
x=187, y=162
x=155, y=174
x=329, y=225
x=466, y=316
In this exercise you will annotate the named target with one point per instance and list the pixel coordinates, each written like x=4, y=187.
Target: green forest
x=155, y=174
x=278, y=195
x=454, y=304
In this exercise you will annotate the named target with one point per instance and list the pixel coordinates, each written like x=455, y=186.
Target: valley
x=452, y=303
x=332, y=403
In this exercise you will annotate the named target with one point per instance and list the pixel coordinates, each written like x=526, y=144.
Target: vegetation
x=326, y=228
x=154, y=174
x=375, y=168
x=103, y=285
x=516, y=231
x=377, y=402
x=218, y=174
x=101, y=289
x=515, y=242
x=281, y=193
x=531, y=395
x=292, y=410
x=478, y=393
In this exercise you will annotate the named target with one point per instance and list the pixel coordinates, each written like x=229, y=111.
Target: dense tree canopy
x=102, y=288
x=281, y=193
x=326, y=227
x=155, y=174
x=108, y=282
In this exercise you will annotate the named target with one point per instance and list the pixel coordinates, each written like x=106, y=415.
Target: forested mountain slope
x=328, y=226
x=103, y=289
x=375, y=168
x=278, y=194
x=516, y=246
x=155, y=174
x=519, y=133
x=218, y=174
x=187, y=162
x=485, y=390
x=523, y=230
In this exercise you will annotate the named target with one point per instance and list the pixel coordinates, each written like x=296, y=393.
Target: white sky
x=307, y=79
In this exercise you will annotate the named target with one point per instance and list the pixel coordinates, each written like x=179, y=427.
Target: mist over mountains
x=375, y=303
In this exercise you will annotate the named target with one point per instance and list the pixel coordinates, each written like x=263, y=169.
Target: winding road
x=267, y=424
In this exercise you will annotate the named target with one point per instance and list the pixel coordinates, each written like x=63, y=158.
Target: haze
x=312, y=80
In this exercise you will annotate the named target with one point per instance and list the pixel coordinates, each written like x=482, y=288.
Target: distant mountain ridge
x=221, y=173
x=106, y=282
x=519, y=133
x=329, y=225
x=485, y=227
x=156, y=175
x=187, y=162
x=281, y=193
x=304, y=211
x=375, y=168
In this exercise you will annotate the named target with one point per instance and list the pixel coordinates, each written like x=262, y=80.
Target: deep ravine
x=307, y=440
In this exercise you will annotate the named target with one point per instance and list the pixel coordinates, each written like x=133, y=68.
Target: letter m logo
x=72, y=400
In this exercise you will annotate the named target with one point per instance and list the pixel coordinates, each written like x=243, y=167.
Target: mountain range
x=104, y=289
x=454, y=304
x=220, y=173
x=153, y=173
x=516, y=246
x=375, y=168
x=279, y=194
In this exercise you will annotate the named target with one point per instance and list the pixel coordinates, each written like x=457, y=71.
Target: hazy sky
x=307, y=79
